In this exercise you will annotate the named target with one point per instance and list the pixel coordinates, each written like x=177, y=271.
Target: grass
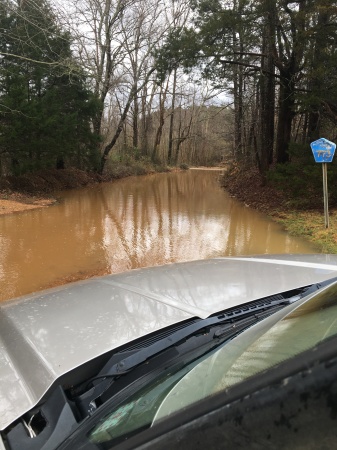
x=311, y=226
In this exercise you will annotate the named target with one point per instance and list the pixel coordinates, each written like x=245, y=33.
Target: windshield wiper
x=232, y=322
x=180, y=348
x=89, y=395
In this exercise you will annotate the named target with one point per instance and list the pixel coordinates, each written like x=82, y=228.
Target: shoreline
x=36, y=190
x=13, y=205
x=247, y=187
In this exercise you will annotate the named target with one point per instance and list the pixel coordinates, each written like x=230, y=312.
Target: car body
x=159, y=335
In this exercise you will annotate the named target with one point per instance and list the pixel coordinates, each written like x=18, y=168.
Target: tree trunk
x=162, y=99
x=237, y=83
x=238, y=112
x=285, y=117
x=159, y=132
x=170, y=146
x=135, y=122
x=321, y=44
x=267, y=91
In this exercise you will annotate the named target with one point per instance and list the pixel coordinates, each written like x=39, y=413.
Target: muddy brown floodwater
x=130, y=223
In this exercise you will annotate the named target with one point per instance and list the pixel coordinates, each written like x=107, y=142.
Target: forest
x=89, y=83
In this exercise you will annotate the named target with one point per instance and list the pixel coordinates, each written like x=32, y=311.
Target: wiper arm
x=124, y=366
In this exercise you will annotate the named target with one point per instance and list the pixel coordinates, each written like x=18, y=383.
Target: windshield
x=281, y=336
x=305, y=327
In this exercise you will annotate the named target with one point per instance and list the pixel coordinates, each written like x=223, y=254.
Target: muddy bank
x=33, y=191
x=47, y=181
x=247, y=186
x=18, y=204
x=36, y=190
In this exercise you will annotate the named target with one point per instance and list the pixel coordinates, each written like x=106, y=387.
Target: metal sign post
x=325, y=194
x=323, y=151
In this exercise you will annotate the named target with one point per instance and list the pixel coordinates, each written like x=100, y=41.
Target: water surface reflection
x=135, y=222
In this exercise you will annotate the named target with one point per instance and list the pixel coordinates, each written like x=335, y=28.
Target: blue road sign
x=323, y=150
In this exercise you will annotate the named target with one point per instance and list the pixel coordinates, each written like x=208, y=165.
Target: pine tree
x=45, y=108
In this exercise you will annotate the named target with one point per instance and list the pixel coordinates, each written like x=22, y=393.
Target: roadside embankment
x=247, y=186
x=31, y=191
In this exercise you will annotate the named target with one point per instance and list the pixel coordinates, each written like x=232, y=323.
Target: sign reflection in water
x=135, y=222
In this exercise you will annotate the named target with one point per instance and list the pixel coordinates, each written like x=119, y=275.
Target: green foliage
x=118, y=166
x=301, y=179
x=182, y=49
x=184, y=166
x=207, y=43
x=45, y=110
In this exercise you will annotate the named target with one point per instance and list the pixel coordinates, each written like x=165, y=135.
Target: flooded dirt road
x=134, y=222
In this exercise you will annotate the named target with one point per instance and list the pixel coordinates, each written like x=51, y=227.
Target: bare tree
x=97, y=26
x=116, y=40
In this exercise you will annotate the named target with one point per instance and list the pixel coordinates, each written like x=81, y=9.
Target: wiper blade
x=192, y=348
x=234, y=314
x=235, y=328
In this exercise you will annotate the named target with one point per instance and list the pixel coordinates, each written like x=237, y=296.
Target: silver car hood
x=45, y=335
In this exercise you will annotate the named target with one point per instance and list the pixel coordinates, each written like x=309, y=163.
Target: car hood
x=45, y=335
